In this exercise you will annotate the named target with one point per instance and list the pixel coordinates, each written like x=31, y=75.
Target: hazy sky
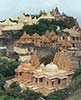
x=12, y=8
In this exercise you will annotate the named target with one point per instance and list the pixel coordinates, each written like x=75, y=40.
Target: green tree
x=11, y=98
x=77, y=73
x=7, y=67
x=31, y=95
x=2, y=81
x=44, y=25
x=14, y=90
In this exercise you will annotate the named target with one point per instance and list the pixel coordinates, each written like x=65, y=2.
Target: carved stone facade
x=75, y=37
x=63, y=60
x=25, y=70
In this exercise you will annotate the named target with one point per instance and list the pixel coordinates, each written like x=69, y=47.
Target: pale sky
x=13, y=8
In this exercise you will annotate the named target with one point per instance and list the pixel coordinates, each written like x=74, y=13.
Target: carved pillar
x=67, y=81
x=50, y=83
x=18, y=74
x=38, y=82
x=34, y=80
x=61, y=81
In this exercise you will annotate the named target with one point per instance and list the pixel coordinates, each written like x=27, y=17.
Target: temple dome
x=27, y=65
x=51, y=68
x=42, y=65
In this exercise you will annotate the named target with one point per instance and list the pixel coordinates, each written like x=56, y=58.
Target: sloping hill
x=76, y=95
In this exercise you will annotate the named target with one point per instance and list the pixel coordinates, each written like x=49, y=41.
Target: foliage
x=2, y=97
x=76, y=95
x=7, y=67
x=45, y=25
x=5, y=97
x=14, y=90
x=77, y=73
x=57, y=95
x=31, y=95
x=2, y=81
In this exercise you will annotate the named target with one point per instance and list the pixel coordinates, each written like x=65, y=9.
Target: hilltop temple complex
x=45, y=78
x=25, y=19
x=50, y=38
x=46, y=62
x=24, y=47
x=34, y=19
x=26, y=44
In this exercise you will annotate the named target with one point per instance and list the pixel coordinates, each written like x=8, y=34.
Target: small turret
x=55, y=11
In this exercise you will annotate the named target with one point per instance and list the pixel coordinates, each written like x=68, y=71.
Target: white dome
x=42, y=65
x=51, y=68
